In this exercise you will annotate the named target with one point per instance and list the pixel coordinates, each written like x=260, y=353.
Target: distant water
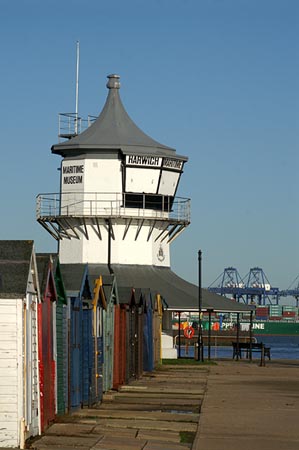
x=282, y=347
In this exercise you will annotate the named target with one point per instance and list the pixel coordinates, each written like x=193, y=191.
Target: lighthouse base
x=168, y=351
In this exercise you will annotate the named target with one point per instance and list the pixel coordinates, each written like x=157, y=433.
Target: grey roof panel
x=113, y=130
x=178, y=293
x=42, y=261
x=15, y=260
x=73, y=277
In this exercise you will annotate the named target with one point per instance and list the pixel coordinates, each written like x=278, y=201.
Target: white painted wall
x=19, y=389
x=96, y=182
x=9, y=373
x=123, y=251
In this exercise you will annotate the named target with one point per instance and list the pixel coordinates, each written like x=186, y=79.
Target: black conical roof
x=113, y=130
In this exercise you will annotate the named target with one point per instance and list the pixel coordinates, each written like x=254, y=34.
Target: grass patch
x=186, y=362
x=187, y=437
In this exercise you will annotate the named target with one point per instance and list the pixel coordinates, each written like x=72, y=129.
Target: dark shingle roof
x=114, y=131
x=15, y=259
x=42, y=261
x=73, y=277
x=178, y=293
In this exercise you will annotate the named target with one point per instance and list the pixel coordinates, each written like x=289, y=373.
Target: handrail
x=215, y=338
x=112, y=204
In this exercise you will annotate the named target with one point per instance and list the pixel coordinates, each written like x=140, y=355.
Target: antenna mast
x=77, y=87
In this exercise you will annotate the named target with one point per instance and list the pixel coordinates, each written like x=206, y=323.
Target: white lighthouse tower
x=117, y=202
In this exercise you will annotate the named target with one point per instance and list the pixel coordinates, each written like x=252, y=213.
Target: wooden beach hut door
x=108, y=344
x=76, y=353
x=148, y=350
x=61, y=343
x=139, y=335
x=31, y=387
x=131, y=339
x=157, y=329
x=99, y=358
x=119, y=364
x=88, y=362
x=46, y=358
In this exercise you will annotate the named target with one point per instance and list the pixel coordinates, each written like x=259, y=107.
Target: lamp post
x=200, y=340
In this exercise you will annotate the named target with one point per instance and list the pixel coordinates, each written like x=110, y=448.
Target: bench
x=259, y=347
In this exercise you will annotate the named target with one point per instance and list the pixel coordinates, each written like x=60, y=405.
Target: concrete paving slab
x=247, y=406
x=140, y=415
x=162, y=436
x=136, y=400
x=124, y=432
x=146, y=425
x=70, y=429
x=67, y=441
x=119, y=443
x=167, y=389
x=152, y=445
x=154, y=406
x=60, y=447
x=160, y=395
x=254, y=443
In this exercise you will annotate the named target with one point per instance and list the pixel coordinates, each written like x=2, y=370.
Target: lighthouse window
x=144, y=201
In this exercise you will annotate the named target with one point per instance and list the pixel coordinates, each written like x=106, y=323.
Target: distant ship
x=273, y=320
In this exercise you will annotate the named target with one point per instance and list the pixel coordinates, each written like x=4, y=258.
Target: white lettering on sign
x=71, y=174
x=146, y=160
x=170, y=163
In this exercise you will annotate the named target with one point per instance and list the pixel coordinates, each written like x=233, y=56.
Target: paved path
x=250, y=407
x=234, y=405
x=160, y=411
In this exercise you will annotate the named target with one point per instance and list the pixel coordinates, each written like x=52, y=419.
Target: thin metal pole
x=179, y=334
x=77, y=87
x=238, y=337
x=209, y=336
x=250, y=336
x=200, y=340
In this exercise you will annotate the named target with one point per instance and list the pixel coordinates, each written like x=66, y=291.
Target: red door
x=46, y=363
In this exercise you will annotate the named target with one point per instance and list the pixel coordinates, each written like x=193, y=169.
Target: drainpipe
x=109, y=247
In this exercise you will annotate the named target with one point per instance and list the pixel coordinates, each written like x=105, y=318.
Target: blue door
x=76, y=353
x=88, y=360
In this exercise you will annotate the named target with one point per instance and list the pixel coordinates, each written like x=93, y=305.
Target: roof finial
x=113, y=81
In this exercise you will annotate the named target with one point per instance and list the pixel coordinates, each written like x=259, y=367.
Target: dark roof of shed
x=42, y=261
x=15, y=259
x=113, y=130
x=73, y=277
x=179, y=294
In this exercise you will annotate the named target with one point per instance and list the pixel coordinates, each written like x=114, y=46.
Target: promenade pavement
x=233, y=405
x=248, y=407
x=159, y=411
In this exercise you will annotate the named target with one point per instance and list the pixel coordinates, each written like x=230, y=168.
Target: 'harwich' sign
x=154, y=161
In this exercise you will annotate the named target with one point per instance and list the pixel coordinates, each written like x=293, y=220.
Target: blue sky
x=216, y=79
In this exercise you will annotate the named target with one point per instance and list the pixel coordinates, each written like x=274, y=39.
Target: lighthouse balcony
x=72, y=210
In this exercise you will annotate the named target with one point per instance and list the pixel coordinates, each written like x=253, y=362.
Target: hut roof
x=179, y=294
x=15, y=263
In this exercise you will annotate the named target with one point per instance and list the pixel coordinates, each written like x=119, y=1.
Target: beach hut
x=105, y=299
x=157, y=329
x=139, y=318
x=148, y=347
x=127, y=296
x=108, y=331
x=61, y=340
x=19, y=375
x=120, y=350
x=47, y=339
x=76, y=282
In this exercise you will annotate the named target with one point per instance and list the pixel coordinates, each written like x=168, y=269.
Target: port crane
x=254, y=288
x=292, y=290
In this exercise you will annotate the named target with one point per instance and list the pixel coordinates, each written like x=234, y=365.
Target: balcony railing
x=98, y=204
